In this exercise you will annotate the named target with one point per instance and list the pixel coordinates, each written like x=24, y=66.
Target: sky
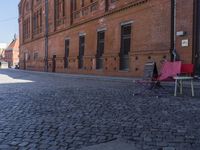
x=8, y=20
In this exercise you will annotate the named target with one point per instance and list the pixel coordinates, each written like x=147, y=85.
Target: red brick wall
x=151, y=36
x=185, y=23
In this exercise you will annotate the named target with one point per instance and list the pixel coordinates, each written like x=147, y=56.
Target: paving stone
x=169, y=148
x=4, y=147
x=59, y=111
x=114, y=145
x=23, y=144
x=14, y=143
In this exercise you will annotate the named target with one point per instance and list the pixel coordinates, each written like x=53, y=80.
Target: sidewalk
x=109, y=78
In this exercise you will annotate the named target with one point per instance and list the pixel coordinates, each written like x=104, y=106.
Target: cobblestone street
x=58, y=111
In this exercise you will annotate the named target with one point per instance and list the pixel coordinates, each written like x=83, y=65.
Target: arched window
x=37, y=21
x=26, y=28
x=27, y=6
x=59, y=11
x=20, y=9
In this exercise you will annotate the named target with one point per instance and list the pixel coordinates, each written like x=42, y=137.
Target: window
x=38, y=1
x=100, y=49
x=81, y=51
x=28, y=56
x=59, y=11
x=82, y=3
x=125, y=39
x=112, y=1
x=26, y=28
x=125, y=46
x=37, y=22
x=66, y=53
x=35, y=56
x=27, y=6
x=74, y=5
x=20, y=9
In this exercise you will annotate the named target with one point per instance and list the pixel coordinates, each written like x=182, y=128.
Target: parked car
x=16, y=66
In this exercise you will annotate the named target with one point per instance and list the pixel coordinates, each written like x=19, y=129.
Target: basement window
x=35, y=56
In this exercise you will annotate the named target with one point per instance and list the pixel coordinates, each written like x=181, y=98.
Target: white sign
x=185, y=43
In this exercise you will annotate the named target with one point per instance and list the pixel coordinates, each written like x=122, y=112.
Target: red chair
x=187, y=69
x=186, y=75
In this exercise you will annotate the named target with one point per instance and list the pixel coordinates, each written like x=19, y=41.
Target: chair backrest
x=187, y=69
x=170, y=69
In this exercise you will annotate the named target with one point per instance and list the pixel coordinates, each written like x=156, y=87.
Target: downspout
x=196, y=40
x=46, y=34
x=173, y=34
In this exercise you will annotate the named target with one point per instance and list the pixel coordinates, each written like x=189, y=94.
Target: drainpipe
x=46, y=34
x=174, y=14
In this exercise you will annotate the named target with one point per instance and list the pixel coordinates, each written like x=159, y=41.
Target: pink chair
x=169, y=70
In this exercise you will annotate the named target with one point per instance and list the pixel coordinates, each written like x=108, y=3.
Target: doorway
x=125, y=46
x=81, y=51
x=66, y=62
x=54, y=63
x=25, y=58
x=197, y=47
x=100, y=49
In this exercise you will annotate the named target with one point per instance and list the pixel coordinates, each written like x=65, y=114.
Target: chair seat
x=182, y=78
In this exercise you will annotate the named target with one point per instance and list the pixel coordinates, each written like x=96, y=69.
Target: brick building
x=107, y=37
x=12, y=53
x=2, y=50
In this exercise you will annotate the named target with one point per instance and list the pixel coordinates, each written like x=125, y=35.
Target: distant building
x=12, y=53
x=3, y=64
x=2, y=50
x=107, y=37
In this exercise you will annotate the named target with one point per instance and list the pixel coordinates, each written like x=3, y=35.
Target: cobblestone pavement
x=57, y=111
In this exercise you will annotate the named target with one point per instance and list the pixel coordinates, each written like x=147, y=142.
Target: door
x=81, y=51
x=54, y=63
x=125, y=46
x=197, y=51
x=25, y=58
x=100, y=49
x=66, y=54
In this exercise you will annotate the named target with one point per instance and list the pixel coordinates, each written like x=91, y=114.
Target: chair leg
x=175, y=90
x=181, y=87
x=192, y=87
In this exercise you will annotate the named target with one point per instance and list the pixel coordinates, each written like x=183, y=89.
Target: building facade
x=12, y=53
x=107, y=37
x=2, y=50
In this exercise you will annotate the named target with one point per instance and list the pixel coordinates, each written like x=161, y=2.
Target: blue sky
x=8, y=20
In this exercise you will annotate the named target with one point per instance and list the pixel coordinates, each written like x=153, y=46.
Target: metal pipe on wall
x=46, y=34
x=174, y=52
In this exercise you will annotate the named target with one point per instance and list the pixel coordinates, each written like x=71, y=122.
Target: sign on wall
x=185, y=43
